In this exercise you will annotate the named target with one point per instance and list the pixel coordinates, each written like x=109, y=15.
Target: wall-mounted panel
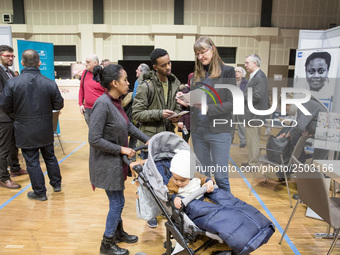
x=217, y=13
x=61, y=12
x=113, y=49
x=142, y=12
x=305, y=14
x=280, y=48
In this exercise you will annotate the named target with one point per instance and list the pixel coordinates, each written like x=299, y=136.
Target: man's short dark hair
x=156, y=54
x=5, y=48
x=30, y=58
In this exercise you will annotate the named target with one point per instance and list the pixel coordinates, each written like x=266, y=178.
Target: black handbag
x=275, y=146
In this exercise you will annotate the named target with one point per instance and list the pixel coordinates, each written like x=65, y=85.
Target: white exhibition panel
x=316, y=40
x=5, y=35
x=326, y=93
x=69, y=89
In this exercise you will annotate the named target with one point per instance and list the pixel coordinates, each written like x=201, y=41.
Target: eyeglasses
x=202, y=53
x=7, y=56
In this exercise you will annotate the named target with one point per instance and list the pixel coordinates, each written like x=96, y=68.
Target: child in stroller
x=228, y=219
x=238, y=224
x=181, y=184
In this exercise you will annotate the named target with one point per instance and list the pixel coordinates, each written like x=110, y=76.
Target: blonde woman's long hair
x=204, y=43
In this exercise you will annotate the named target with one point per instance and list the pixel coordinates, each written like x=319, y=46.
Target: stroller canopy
x=164, y=146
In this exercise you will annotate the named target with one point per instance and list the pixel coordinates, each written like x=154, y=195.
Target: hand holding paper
x=167, y=113
x=177, y=115
x=192, y=98
x=181, y=99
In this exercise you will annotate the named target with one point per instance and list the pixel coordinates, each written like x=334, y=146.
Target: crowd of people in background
x=155, y=103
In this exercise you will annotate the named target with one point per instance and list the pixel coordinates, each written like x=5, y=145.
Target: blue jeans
x=116, y=205
x=144, y=154
x=212, y=150
x=34, y=170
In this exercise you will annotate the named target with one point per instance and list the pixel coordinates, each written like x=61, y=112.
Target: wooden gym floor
x=73, y=221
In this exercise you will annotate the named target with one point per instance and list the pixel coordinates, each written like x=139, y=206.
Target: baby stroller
x=179, y=226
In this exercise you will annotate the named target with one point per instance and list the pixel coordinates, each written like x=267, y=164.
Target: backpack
x=127, y=105
x=151, y=91
x=84, y=77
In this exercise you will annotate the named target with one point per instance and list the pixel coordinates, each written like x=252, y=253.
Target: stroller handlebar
x=128, y=162
x=140, y=148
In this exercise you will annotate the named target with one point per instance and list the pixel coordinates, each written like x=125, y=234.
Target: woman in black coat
x=108, y=137
x=211, y=142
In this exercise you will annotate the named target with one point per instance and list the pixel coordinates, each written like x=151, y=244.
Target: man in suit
x=33, y=121
x=259, y=84
x=8, y=150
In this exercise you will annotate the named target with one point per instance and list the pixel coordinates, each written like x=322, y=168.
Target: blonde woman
x=212, y=142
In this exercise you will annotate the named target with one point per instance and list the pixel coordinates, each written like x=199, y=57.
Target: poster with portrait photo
x=317, y=70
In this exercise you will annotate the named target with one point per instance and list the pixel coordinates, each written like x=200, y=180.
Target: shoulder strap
x=84, y=77
x=151, y=91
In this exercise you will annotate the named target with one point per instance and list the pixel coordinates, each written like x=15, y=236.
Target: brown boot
x=9, y=184
x=19, y=172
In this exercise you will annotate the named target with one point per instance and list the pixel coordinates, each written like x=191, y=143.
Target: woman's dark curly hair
x=106, y=75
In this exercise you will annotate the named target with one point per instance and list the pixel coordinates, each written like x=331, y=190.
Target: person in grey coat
x=108, y=136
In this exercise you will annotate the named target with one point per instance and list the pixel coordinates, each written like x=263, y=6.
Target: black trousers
x=34, y=170
x=186, y=137
x=8, y=150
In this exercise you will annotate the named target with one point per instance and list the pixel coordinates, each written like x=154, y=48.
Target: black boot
x=122, y=236
x=109, y=247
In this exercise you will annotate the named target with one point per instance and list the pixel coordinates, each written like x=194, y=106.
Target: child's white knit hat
x=180, y=163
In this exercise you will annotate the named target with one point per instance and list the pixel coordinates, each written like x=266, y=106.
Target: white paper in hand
x=178, y=114
x=193, y=97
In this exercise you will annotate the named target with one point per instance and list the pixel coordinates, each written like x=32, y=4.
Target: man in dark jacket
x=259, y=84
x=32, y=97
x=8, y=150
x=155, y=100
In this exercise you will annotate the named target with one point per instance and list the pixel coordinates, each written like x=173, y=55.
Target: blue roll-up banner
x=46, y=54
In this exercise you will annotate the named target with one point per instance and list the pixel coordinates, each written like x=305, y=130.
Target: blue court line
x=29, y=185
x=271, y=216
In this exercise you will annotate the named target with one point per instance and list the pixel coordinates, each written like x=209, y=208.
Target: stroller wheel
x=170, y=250
x=224, y=253
x=164, y=244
